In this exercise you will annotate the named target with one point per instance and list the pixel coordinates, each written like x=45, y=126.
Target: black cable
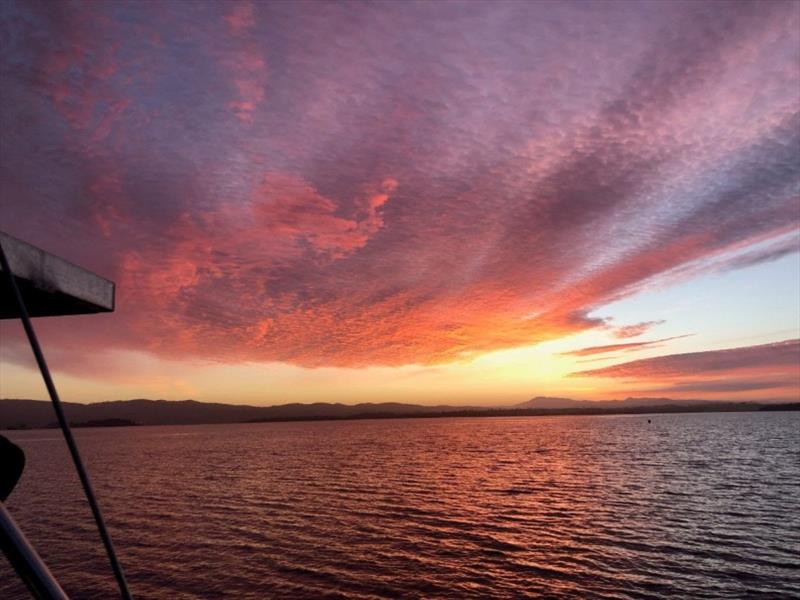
x=62, y=421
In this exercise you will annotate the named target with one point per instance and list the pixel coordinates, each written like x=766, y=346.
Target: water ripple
x=700, y=506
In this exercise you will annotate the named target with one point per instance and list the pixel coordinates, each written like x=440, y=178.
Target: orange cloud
x=213, y=284
x=243, y=223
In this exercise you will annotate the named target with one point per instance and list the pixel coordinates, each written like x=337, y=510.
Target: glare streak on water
x=696, y=505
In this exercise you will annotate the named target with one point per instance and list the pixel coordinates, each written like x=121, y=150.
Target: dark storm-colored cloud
x=391, y=183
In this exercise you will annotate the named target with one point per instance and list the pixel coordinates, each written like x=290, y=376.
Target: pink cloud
x=626, y=347
x=630, y=331
x=353, y=186
x=246, y=63
x=783, y=357
x=767, y=371
x=241, y=17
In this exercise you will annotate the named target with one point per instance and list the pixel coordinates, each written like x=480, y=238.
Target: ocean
x=645, y=506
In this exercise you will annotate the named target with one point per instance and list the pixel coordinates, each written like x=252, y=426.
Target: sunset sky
x=434, y=202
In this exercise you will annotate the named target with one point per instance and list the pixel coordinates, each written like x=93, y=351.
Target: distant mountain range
x=547, y=402
x=39, y=413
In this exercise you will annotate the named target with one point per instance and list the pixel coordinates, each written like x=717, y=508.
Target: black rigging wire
x=62, y=421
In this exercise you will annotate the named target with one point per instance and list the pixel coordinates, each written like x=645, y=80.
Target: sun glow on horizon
x=499, y=377
x=419, y=205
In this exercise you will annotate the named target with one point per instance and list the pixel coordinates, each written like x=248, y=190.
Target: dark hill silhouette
x=546, y=402
x=39, y=413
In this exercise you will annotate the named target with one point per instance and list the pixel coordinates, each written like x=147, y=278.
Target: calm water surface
x=689, y=506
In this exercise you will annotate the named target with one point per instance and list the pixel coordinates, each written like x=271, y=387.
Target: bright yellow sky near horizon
x=494, y=378
x=424, y=204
